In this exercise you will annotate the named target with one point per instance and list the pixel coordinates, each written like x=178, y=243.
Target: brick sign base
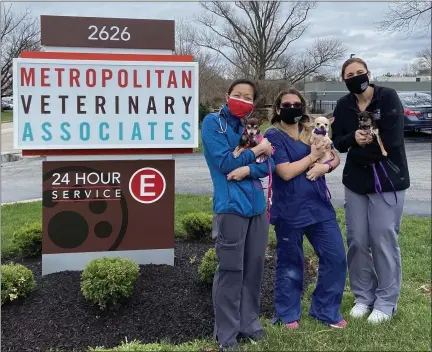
x=93, y=209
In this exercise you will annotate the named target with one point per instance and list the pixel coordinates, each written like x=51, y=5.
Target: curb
x=23, y=201
x=7, y=157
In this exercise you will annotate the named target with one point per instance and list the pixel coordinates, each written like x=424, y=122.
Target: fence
x=321, y=106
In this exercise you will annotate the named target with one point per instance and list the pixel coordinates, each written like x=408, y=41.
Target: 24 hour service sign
x=86, y=104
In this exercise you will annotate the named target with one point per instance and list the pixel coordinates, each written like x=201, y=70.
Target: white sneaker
x=377, y=317
x=360, y=310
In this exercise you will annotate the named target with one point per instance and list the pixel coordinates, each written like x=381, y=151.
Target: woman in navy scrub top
x=300, y=207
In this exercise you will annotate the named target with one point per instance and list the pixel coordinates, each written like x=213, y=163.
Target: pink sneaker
x=293, y=325
x=341, y=325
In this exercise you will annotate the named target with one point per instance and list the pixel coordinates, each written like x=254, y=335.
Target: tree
x=408, y=70
x=317, y=60
x=424, y=61
x=255, y=37
x=407, y=16
x=212, y=85
x=18, y=32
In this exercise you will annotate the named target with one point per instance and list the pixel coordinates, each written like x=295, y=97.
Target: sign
x=97, y=207
x=101, y=104
x=147, y=185
x=96, y=32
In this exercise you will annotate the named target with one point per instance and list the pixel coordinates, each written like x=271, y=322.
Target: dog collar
x=321, y=132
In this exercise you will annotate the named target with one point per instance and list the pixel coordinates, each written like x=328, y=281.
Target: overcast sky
x=351, y=22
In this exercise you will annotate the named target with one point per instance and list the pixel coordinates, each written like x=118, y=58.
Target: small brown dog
x=321, y=133
x=251, y=137
x=367, y=123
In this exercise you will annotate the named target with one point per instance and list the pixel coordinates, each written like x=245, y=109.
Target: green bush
x=108, y=280
x=198, y=226
x=28, y=239
x=208, y=266
x=16, y=281
x=204, y=110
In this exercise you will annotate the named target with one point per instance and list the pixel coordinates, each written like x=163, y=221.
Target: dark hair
x=244, y=81
x=276, y=105
x=349, y=62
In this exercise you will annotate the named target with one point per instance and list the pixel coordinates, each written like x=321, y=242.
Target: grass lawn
x=6, y=116
x=408, y=331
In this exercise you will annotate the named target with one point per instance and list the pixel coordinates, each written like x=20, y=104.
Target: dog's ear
x=261, y=121
x=331, y=119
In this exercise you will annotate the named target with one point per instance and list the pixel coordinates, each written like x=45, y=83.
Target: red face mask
x=239, y=108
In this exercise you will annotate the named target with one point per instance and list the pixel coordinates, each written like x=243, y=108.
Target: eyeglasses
x=291, y=105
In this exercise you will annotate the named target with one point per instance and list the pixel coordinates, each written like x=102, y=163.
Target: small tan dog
x=320, y=133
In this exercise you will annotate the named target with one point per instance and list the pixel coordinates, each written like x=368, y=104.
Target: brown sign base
x=113, y=206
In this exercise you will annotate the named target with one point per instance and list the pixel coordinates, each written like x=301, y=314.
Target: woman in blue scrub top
x=301, y=206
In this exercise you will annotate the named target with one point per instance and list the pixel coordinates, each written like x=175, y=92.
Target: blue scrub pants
x=326, y=239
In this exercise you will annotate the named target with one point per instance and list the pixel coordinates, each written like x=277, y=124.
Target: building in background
x=322, y=96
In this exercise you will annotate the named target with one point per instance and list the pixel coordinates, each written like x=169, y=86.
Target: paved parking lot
x=21, y=180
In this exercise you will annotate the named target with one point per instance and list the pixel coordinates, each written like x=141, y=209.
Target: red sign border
x=107, y=57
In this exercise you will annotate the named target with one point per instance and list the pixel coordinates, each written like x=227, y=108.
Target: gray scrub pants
x=374, y=259
x=240, y=248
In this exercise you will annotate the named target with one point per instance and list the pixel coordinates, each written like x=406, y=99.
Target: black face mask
x=357, y=84
x=291, y=115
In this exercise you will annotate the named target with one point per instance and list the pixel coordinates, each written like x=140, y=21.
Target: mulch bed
x=169, y=303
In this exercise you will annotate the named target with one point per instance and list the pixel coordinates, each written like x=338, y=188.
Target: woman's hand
x=317, y=171
x=317, y=151
x=363, y=137
x=264, y=147
x=239, y=174
x=267, y=147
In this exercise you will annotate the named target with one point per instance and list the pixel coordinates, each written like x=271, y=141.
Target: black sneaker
x=256, y=336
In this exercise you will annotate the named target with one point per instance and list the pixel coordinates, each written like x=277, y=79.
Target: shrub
x=16, y=281
x=208, y=266
x=28, y=239
x=204, y=110
x=198, y=226
x=108, y=280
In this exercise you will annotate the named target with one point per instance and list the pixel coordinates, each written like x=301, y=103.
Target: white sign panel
x=85, y=104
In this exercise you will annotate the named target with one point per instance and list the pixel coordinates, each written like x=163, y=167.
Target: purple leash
x=378, y=187
x=326, y=189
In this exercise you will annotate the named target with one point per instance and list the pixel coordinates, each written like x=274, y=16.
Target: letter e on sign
x=147, y=185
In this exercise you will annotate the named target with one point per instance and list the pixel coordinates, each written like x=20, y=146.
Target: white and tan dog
x=320, y=133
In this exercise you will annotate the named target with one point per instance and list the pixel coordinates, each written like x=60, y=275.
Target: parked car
x=6, y=106
x=418, y=110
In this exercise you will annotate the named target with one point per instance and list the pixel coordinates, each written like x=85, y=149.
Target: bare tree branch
x=408, y=17
x=212, y=85
x=18, y=32
x=251, y=34
x=314, y=61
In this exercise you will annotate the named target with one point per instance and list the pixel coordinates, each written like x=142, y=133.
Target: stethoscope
x=222, y=113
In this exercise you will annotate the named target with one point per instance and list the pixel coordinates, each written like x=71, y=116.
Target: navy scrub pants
x=326, y=239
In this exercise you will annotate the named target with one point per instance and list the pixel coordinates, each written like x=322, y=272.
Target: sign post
x=109, y=125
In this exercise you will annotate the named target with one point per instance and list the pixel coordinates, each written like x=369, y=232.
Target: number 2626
x=113, y=33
